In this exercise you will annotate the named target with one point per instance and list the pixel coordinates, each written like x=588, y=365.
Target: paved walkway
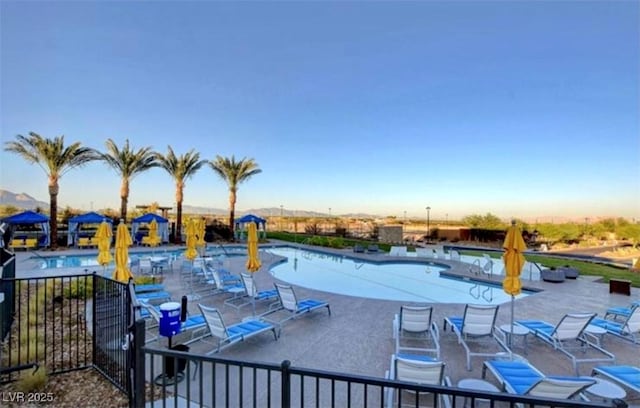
x=357, y=337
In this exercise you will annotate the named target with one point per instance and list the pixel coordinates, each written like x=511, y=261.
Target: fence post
x=94, y=316
x=137, y=397
x=286, y=384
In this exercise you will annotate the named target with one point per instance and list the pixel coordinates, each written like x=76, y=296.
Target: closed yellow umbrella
x=513, y=258
x=253, y=263
x=190, y=232
x=200, y=231
x=103, y=236
x=153, y=237
x=123, y=242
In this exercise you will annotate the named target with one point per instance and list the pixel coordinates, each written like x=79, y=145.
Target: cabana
x=32, y=238
x=240, y=226
x=76, y=223
x=163, y=227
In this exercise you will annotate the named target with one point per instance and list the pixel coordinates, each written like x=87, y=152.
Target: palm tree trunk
x=177, y=239
x=53, y=212
x=124, y=199
x=232, y=213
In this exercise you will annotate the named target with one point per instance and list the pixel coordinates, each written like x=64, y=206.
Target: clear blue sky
x=521, y=109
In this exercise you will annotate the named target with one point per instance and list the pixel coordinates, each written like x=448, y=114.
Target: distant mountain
x=21, y=200
x=190, y=209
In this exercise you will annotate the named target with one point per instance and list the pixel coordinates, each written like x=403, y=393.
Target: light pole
x=428, y=232
x=281, y=220
x=446, y=219
x=405, y=217
x=329, y=212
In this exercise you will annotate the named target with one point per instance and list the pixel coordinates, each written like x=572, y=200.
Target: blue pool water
x=410, y=282
x=90, y=260
x=406, y=281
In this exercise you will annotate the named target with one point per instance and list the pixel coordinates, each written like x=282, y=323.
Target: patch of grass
x=327, y=241
x=145, y=279
x=78, y=288
x=586, y=268
x=32, y=380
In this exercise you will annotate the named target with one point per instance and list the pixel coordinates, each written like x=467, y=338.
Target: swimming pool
x=406, y=281
x=90, y=260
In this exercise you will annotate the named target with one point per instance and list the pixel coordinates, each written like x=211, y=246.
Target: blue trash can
x=169, y=319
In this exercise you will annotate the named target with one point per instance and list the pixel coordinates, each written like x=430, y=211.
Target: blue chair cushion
x=266, y=294
x=418, y=357
x=538, y=326
x=149, y=288
x=193, y=321
x=519, y=375
x=628, y=374
x=247, y=328
x=309, y=304
x=607, y=325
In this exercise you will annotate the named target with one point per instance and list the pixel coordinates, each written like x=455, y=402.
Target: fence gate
x=112, y=319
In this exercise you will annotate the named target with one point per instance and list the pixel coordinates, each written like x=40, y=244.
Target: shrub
x=79, y=288
x=32, y=380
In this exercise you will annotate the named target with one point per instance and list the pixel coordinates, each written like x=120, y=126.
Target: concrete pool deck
x=357, y=337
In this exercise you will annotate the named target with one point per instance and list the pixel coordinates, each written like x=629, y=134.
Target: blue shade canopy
x=27, y=217
x=149, y=217
x=163, y=226
x=31, y=217
x=261, y=223
x=88, y=218
x=251, y=218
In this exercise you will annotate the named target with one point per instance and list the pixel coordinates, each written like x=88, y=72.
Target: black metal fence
x=49, y=324
x=218, y=382
x=8, y=272
x=112, y=319
x=65, y=323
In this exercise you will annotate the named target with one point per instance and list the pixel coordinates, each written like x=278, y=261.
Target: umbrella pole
x=511, y=334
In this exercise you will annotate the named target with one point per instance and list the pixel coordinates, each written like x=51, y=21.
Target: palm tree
x=180, y=168
x=234, y=172
x=55, y=159
x=128, y=164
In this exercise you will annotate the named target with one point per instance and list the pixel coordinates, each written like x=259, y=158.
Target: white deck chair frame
x=219, y=330
x=629, y=329
x=571, y=329
x=413, y=324
x=418, y=372
x=289, y=301
x=478, y=323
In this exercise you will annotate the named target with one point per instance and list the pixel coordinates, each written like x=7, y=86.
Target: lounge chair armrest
x=436, y=331
x=396, y=323
x=502, y=336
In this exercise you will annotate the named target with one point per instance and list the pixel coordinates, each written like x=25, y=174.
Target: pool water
x=410, y=282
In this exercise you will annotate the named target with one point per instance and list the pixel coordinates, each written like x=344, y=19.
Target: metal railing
x=212, y=382
x=49, y=324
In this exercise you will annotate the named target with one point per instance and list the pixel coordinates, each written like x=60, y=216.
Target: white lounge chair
x=620, y=311
x=229, y=335
x=477, y=323
x=568, y=335
x=251, y=294
x=414, y=331
x=629, y=329
x=421, y=370
x=424, y=252
x=295, y=307
x=398, y=251
x=522, y=378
